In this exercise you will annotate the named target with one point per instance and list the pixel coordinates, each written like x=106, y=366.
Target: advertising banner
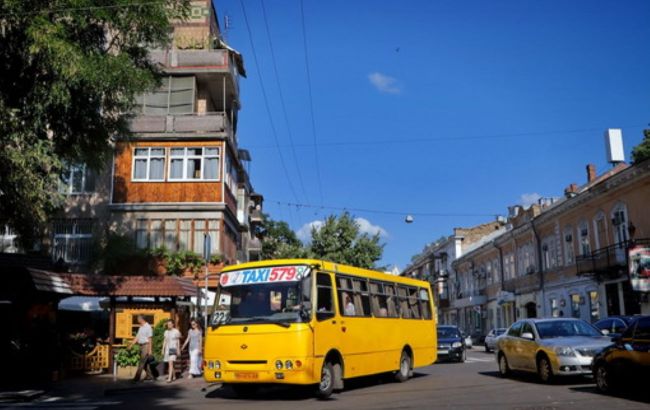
x=639, y=262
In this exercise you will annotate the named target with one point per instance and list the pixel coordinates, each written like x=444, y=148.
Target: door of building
x=531, y=310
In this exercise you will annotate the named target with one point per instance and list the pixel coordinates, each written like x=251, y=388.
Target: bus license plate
x=246, y=375
x=443, y=351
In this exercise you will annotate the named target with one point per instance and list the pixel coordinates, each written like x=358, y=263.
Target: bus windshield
x=277, y=295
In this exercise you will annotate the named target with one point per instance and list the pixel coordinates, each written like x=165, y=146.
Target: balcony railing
x=611, y=260
x=181, y=123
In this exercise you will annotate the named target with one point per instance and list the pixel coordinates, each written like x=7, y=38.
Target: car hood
x=577, y=341
x=449, y=340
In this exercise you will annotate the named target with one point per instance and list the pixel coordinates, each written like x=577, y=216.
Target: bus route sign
x=263, y=275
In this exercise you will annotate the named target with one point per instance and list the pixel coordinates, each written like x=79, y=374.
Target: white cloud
x=365, y=226
x=529, y=199
x=384, y=83
x=304, y=233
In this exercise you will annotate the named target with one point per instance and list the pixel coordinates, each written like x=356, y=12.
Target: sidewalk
x=91, y=388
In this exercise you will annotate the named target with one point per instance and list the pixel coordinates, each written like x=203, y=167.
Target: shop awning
x=105, y=285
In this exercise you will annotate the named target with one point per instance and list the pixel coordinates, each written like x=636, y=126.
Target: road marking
x=477, y=360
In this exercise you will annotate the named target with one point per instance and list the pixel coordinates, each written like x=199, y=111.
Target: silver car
x=491, y=338
x=549, y=347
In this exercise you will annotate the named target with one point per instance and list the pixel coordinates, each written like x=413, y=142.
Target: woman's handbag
x=173, y=351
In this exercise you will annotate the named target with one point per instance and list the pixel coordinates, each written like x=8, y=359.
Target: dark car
x=614, y=325
x=451, y=345
x=627, y=360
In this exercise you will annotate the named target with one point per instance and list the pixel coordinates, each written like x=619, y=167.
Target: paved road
x=471, y=385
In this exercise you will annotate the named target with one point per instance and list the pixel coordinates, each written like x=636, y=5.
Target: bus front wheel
x=404, y=371
x=326, y=385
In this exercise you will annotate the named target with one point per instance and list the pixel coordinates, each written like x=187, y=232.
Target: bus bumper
x=237, y=373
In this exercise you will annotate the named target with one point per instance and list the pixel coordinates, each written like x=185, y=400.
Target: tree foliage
x=642, y=151
x=339, y=240
x=280, y=242
x=69, y=70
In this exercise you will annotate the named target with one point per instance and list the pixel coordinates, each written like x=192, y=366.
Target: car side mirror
x=528, y=335
x=605, y=332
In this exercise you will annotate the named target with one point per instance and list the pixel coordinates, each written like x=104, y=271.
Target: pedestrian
x=349, y=306
x=171, y=348
x=195, y=341
x=143, y=339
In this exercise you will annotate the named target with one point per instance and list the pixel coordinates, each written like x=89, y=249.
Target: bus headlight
x=217, y=364
x=288, y=365
x=278, y=364
x=210, y=364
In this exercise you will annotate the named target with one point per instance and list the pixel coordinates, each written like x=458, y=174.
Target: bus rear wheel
x=404, y=370
x=326, y=385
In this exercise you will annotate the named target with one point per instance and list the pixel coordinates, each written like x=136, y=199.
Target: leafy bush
x=128, y=356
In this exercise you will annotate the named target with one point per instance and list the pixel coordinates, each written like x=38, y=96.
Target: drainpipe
x=539, y=264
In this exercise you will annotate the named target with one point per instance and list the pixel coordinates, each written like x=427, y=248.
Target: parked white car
x=491, y=338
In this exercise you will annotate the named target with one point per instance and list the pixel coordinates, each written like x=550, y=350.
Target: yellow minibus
x=312, y=322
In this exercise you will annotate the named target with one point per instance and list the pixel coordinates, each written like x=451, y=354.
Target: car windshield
x=499, y=332
x=448, y=332
x=565, y=328
x=259, y=300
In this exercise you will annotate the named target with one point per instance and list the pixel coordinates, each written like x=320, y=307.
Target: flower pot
x=158, y=266
x=127, y=372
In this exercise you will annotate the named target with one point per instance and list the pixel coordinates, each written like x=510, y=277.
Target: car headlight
x=456, y=345
x=564, y=351
x=278, y=364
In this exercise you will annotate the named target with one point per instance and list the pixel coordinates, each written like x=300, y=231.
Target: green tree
x=340, y=240
x=642, y=151
x=279, y=240
x=69, y=70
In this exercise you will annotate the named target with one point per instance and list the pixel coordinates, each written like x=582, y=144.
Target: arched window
x=567, y=240
x=600, y=230
x=620, y=223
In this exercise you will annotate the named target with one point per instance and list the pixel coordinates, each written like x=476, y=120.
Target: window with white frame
x=567, y=240
x=72, y=240
x=77, y=179
x=148, y=164
x=194, y=163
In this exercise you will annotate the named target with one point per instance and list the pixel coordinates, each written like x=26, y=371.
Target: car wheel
x=604, y=379
x=544, y=370
x=504, y=369
x=404, y=371
x=487, y=349
x=326, y=385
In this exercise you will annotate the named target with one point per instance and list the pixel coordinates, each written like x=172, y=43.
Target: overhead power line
x=452, y=139
x=54, y=10
x=266, y=102
x=311, y=100
x=379, y=211
x=282, y=104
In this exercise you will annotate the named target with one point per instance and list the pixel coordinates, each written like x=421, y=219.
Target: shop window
x=594, y=306
x=575, y=305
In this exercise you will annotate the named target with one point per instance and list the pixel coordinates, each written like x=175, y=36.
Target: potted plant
x=159, y=261
x=127, y=360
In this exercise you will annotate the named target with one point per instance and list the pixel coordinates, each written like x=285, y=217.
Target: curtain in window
x=199, y=230
x=157, y=168
x=140, y=169
x=211, y=168
x=176, y=171
x=193, y=168
x=156, y=234
x=170, y=235
x=184, y=234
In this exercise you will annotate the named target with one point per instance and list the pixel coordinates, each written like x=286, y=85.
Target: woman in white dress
x=195, y=341
x=171, y=348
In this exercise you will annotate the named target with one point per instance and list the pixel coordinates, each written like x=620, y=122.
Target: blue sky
x=454, y=107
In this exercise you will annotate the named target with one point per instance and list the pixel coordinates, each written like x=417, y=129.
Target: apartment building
x=563, y=257
x=182, y=175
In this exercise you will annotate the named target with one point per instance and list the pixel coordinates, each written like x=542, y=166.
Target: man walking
x=143, y=338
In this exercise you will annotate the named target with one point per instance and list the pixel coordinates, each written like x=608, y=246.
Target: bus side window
x=391, y=300
x=361, y=297
x=379, y=300
x=414, y=306
x=325, y=304
x=425, y=304
x=403, y=302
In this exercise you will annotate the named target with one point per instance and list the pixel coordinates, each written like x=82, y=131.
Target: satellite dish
x=408, y=219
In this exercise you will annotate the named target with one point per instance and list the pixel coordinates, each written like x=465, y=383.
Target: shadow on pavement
x=532, y=378
x=635, y=394
x=297, y=393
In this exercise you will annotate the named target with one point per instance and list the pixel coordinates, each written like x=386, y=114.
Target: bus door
x=326, y=331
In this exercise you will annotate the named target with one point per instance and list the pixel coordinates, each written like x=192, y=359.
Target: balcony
x=211, y=122
x=211, y=61
x=607, y=262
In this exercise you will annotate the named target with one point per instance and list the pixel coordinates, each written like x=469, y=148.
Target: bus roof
x=332, y=267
